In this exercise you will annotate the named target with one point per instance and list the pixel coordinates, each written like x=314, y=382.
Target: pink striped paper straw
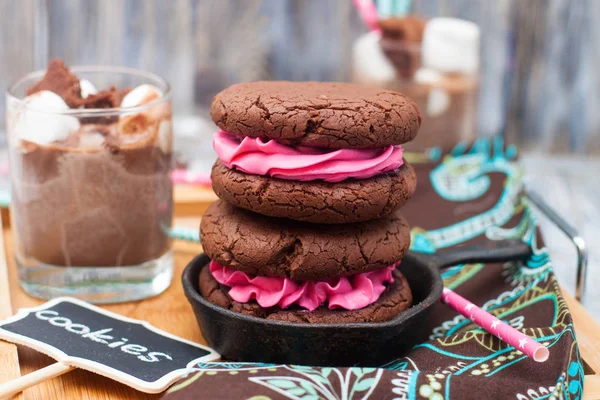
x=493, y=325
x=368, y=12
x=190, y=178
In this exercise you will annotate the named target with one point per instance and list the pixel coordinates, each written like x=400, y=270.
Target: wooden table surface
x=171, y=312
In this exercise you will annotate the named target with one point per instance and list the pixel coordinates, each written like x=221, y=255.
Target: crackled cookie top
x=267, y=246
x=317, y=114
x=354, y=200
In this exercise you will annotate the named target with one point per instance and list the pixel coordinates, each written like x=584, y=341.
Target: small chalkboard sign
x=81, y=335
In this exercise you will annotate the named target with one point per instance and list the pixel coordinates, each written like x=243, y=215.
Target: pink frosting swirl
x=253, y=156
x=351, y=293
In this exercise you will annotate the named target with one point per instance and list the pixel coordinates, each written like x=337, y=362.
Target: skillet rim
x=201, y=261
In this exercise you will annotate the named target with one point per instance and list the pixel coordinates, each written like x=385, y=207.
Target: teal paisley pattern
x=465, y=177
x=476, y=191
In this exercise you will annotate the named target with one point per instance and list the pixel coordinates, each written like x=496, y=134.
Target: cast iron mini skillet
x=239, y=337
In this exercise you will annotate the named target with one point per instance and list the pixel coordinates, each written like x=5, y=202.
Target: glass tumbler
x=92, y=197
x=448, y=101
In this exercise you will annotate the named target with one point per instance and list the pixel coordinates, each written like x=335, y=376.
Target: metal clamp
x=576, y=239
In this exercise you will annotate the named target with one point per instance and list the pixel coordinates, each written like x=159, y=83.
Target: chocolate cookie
x=268, y=246
x=316, y=201
x=395, y=299
x=317, y=114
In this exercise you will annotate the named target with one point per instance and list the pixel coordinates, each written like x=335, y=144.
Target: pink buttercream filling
x=301, y=163
x=351, y=292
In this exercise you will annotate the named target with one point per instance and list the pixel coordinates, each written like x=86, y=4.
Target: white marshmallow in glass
x=87, y=88
x=134, y=124
x=39, y=120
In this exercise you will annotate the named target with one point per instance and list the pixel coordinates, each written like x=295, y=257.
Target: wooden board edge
x=192, y=201
x=588, y=334
x=9, y=357
x=591, y=387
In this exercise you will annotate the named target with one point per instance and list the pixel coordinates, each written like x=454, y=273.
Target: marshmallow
x=438, y=99
x=428, y=76
x=91, y=140
x=141, y=95
x=370, y=64
x=87, y=88
x=43, y=127
x=133, y=126
x=451, y=45
x=165, y=139
x=45, y=100
x=136, y=126
x=438, y=102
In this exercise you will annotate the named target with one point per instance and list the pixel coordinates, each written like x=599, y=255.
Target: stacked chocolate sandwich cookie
x=311, y=180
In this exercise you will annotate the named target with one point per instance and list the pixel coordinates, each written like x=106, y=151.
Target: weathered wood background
x=540, y=81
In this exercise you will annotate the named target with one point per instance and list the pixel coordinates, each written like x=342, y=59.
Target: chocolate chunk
x=59, y=80
x=407, y=29
x=401, y=42
x=406, y=57
x=108, y=98
x=104, y=99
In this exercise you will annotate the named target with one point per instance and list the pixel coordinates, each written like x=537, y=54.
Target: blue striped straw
x=4, y=199
x=393, y=8
x=402, y=7
x=385, y=8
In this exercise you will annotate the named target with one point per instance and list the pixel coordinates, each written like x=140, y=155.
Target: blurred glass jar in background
x=91, y=190
x=436, y=63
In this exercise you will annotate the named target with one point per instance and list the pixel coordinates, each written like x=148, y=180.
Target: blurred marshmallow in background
x=451, y=45
x=436, y=63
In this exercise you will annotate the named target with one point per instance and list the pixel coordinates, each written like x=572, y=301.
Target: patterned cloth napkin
x=473, y=194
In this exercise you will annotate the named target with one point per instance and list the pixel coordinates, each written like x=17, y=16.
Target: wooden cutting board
x=9, y=361
x=171, y=312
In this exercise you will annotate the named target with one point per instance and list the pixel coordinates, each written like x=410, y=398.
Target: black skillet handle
x=489, y=251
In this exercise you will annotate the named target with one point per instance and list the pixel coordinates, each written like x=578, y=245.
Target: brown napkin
x=460, y=199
